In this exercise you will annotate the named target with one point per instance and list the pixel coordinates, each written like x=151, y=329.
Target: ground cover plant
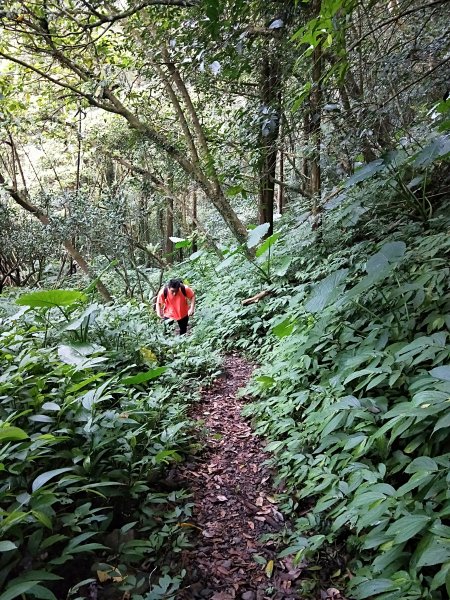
x=353, y=386
x=91, y=418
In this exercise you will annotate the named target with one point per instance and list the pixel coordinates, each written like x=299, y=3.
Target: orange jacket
x=177, y=306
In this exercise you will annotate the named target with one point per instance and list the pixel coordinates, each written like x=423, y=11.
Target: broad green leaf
x=17, y=589
x=435, y=552
x=44, y=519
x=373, y=587
x=234, y=190
x=184, y=244
x=334, y=424
x=226, y=262
x=361, y=373
x=84, y=382
x=44, y=478
x=438, y=147
x=388, y=254
x=196, y=255
x=442, y=372
x=49, y=298
x=441, y=577
x=39, y=575
x=422, y=463
x=88, y=548
x=282, y=266
x=326, y=291
x=52, y=406
x=444, y=422
x=268, y=243
x=88, y=314
x=78, y=354
x=301, y=97
x=284, y=328
x=10, y=433
x=418, y=480
x=42, y=593
x=7, y=546
x=167, y=456
x=365, y=172
x=407, y=527
x=255, y=235
x=265, y=380
x=144, y=376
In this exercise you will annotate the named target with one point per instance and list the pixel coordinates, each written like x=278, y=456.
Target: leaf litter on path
x=233, y=504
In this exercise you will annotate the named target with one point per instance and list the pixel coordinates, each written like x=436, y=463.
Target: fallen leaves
x=221, y=498
x=269, y=569
x=233, y=504
x=223, y=596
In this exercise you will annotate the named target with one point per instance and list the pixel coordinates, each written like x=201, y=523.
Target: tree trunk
x=270, y=92
x=316, y=119
x=194, y=220
x=169, y=231
x=281, y=200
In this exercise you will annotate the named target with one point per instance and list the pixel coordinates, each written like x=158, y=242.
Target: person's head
x=173, y=286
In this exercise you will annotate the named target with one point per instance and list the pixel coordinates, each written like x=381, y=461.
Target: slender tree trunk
x=169, y=230
x=160, y=220
x=316, y=120
x=194, y=220
x=270, y=92
x=281, y=192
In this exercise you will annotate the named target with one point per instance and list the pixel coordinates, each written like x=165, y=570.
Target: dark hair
x=175, y=284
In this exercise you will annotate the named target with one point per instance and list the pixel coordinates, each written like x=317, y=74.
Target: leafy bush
x=354, y=378
x=86, y=433
x=354, y=397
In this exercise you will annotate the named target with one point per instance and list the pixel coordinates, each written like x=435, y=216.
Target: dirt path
x=233, y=506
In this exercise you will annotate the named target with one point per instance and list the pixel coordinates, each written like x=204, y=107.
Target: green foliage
x=51, y=298
x=354, y=396
x=86, y=434
x=353, y=385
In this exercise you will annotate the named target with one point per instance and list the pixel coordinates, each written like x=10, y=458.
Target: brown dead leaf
x=103, y=576
x=222, y=570
x=221, y=498
x=208, y=534
x=332, y=594
x=259, y=501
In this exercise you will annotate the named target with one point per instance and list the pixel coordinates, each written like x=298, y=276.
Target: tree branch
x=438, y=66
x=393, y=20
x=135, y=9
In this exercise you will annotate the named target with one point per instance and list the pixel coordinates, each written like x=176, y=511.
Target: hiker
x=176, y=301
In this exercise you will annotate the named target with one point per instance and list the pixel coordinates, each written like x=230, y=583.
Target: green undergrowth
x=354, y=398
x=353, y=387
x=93, y=413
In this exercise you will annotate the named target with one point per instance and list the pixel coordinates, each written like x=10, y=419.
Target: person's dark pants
x=183, y=323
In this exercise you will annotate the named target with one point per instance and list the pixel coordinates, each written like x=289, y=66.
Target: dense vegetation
x=295, y=149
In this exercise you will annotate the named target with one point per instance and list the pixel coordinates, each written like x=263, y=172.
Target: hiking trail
x=233, y=504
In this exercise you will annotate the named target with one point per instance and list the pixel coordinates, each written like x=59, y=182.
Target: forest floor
x=234, y=505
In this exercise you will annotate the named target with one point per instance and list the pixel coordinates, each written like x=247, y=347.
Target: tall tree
x=86, y=52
